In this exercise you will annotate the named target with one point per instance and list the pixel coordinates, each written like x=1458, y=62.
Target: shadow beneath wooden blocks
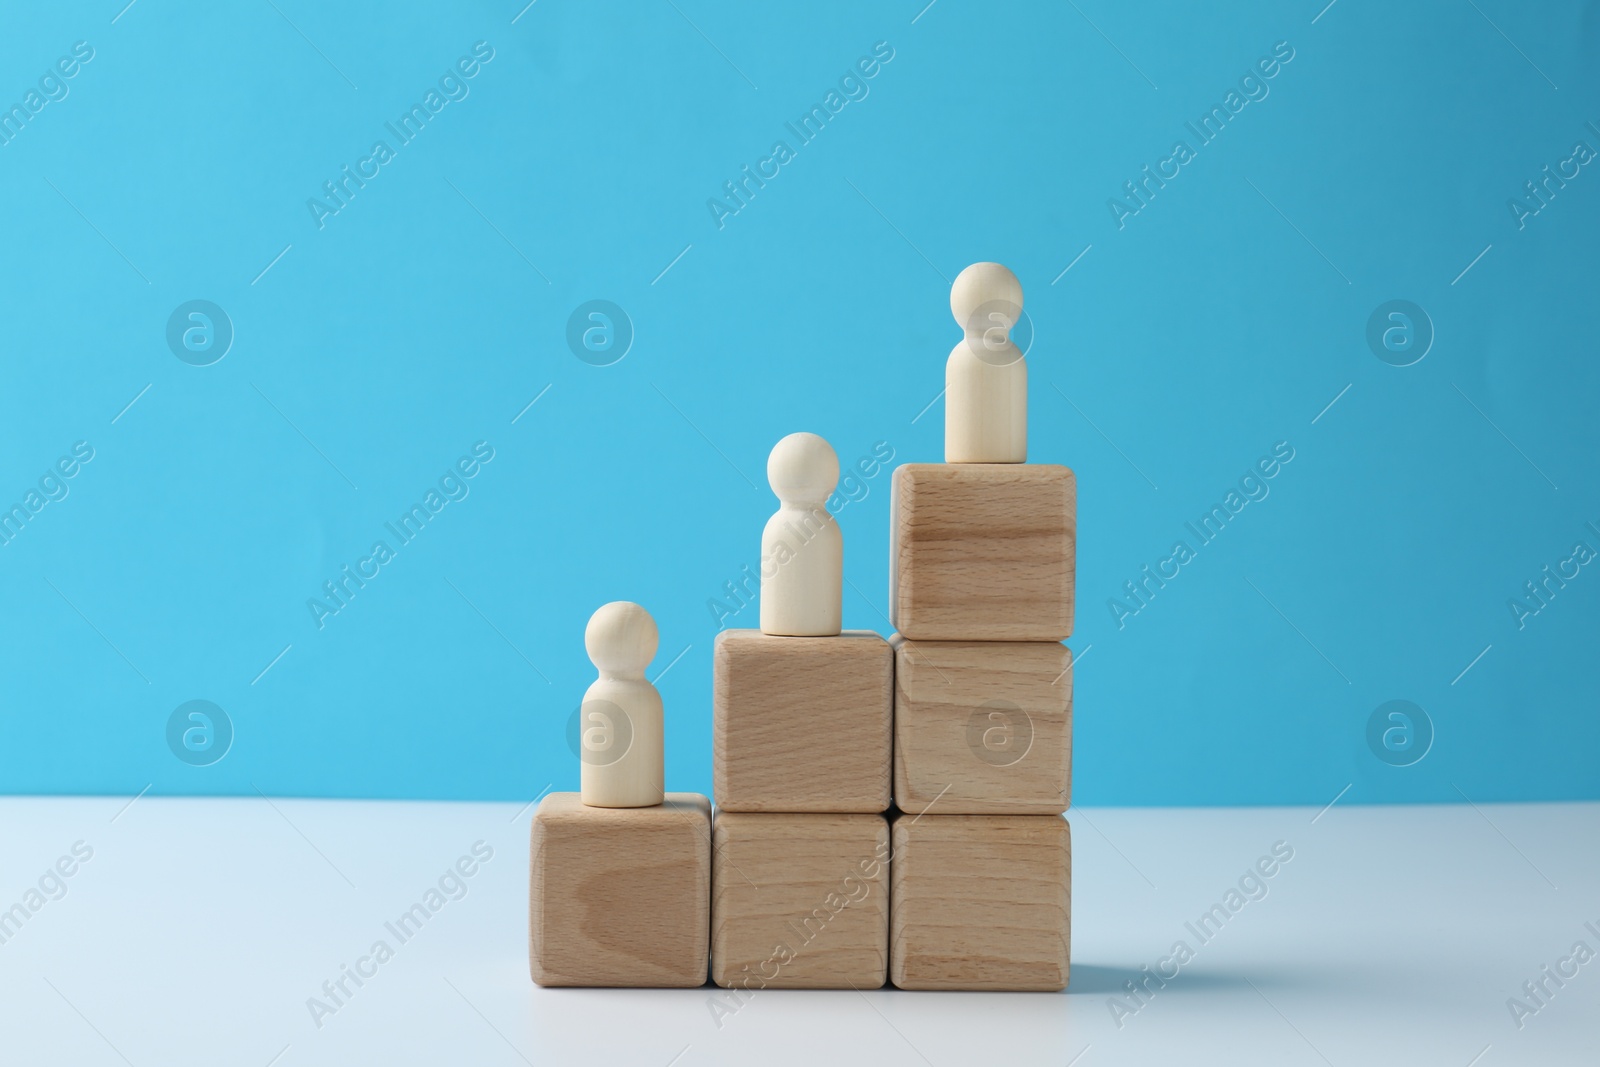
x=1095, y=979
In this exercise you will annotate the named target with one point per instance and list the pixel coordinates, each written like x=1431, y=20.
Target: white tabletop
x=198, y=930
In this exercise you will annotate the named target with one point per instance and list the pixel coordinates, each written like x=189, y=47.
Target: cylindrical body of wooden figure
x=620, y=742
x=986, y=408
x=802, y=569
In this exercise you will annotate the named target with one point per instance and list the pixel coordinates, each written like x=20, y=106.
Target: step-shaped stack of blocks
x=885, y=810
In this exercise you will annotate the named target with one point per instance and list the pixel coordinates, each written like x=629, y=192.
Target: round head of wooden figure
x=803, y=470
x=621, y=639
x=985, y=296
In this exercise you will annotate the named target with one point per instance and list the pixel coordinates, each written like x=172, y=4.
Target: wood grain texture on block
x=981, y=902
x=802, y=724
x=620, y=896
x=982, y=727
x=982, y=551
x=799, y=901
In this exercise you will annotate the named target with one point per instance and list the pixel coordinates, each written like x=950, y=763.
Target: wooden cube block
x=981, y=902
x=802, y=724
x=982, y=727
x=620, y=896
x=982, y=551
x=799, y=901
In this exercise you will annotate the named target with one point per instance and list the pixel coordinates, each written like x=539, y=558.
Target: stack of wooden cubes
x=802, y=728
x=886, y=810
x=964, y=880
x=981, y=594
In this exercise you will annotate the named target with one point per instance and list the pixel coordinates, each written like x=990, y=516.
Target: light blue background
x=1222, y=319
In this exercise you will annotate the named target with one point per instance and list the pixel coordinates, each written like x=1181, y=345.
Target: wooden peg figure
x=986, y=378
x=620, y=730
x=802, y=554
